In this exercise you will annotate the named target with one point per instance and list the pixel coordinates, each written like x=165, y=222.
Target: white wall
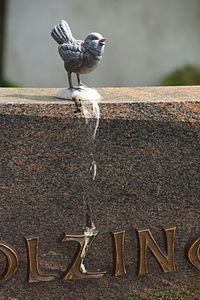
x=146, y=39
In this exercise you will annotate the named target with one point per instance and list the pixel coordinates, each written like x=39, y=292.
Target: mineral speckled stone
x=147, y=151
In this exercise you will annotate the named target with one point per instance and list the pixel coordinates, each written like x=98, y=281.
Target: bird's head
x=95, y=42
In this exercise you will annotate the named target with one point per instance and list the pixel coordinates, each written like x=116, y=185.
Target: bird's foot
x=71, y=89
x=81, y=86
x=76, y=88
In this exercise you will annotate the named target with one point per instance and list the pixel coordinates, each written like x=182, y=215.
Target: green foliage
x=9, y=83
x=188, y=75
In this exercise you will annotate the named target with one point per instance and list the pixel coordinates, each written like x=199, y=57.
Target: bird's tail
x=61, y=33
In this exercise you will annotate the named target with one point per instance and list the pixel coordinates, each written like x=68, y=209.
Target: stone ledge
x=110, y=94
x=141, y=103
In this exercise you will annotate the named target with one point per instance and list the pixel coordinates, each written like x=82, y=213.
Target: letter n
x=146, y=240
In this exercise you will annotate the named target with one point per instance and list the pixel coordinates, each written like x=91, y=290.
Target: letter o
x=193, y=254
x=11, y=261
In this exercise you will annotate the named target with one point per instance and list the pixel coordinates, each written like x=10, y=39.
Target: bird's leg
x=79, y=81
x=77, y=103
x=70, y=80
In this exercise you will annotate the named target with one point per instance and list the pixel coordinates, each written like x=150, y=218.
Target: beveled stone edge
x=110, y=95
x=139, y=103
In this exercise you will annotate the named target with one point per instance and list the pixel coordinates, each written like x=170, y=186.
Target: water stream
x=91, y=111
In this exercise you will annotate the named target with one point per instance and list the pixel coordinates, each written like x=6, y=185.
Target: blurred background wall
x=146, y=39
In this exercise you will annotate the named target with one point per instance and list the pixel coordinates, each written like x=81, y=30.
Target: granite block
x=147, y=151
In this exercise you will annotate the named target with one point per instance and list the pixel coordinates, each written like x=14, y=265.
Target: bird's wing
x=72, y=53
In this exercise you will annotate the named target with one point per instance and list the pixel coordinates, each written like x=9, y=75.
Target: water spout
x=91, y=111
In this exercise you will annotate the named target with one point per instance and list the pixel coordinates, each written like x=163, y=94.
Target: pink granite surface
x=147, y=151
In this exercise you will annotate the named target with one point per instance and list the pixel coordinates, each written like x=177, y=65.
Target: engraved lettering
x=77, y=269
x=11, y=261
x=34, y=275
x=193, y=254
x=119, y=253
x=146, y=240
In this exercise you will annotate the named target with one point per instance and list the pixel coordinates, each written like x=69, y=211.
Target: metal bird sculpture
x=80, y=57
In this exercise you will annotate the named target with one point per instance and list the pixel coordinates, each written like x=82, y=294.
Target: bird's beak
x=102, y=41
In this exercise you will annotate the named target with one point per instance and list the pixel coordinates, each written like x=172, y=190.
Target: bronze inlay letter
x=119, y=253
x=193, y=254
x=76, y=270
x=146, y=240
x=34, y=275
x=11, y=261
